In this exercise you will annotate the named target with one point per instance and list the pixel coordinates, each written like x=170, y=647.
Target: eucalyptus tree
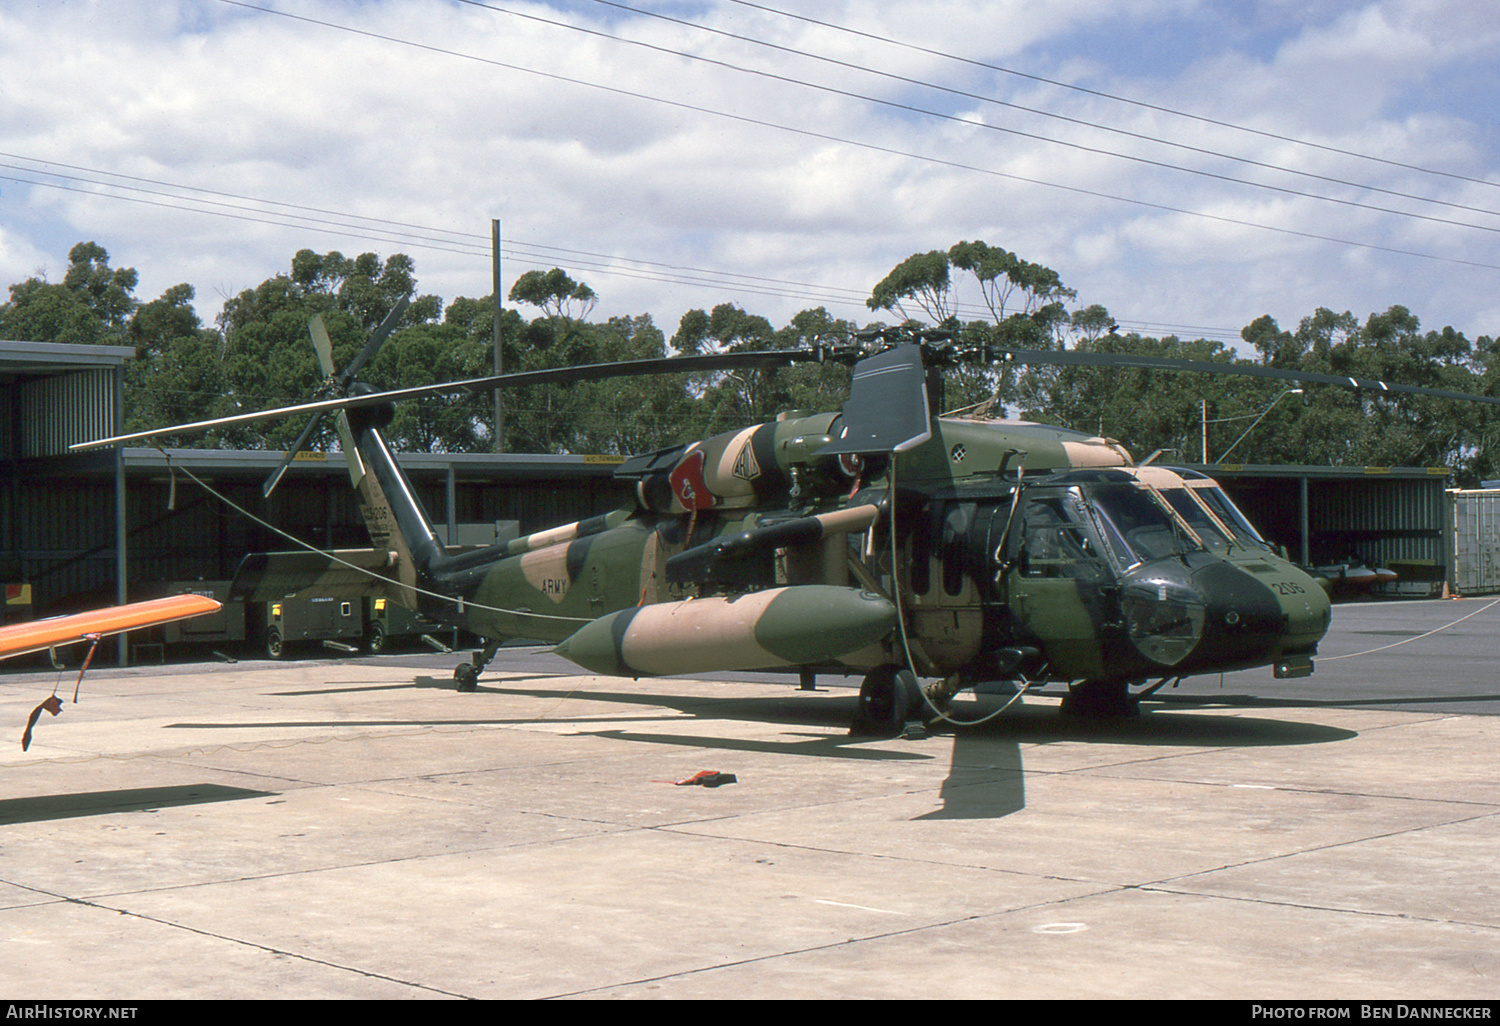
x=177, y=375
x=267, y=354
x=92, y=305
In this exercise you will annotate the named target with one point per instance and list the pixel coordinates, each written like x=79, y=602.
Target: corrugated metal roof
x=1286, y=470
x=56, y=395
x=28, y=359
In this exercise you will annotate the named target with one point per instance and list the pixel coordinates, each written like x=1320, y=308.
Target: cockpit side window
x=1055, y=545
x=1227, y=511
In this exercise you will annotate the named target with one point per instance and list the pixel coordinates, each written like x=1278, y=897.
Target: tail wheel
x=467, y=676
x=275, y=644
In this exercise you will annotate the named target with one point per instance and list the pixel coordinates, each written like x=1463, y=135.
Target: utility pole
x=499, y=362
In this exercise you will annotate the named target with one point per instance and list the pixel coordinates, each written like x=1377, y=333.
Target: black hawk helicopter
x=880, y=540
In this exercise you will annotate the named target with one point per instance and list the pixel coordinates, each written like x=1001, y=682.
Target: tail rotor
x=336, y=385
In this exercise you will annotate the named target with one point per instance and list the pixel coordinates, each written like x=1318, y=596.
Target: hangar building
x=106, y=527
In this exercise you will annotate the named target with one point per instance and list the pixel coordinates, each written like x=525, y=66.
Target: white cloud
x=218, y=97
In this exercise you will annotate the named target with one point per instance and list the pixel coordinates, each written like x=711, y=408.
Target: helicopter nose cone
x=1245, y=622
x=1164, y=611
x=1183, y=614
x=1308, y=610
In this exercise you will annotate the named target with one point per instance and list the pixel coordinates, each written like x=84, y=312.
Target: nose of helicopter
x=1220, y=614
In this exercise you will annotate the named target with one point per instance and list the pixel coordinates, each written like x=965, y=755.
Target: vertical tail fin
x=392, y=512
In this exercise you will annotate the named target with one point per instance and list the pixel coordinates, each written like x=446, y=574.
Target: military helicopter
x=879, y=540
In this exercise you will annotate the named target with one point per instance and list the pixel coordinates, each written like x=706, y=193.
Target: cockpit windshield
x=1136, y=527
x=1101, y=523
x=1204, y=506
x=1225, y=509
x=1214, y=534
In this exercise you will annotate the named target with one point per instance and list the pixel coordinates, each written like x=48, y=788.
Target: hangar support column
x=1302, y=515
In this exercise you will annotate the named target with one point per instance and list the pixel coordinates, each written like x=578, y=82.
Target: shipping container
x=1476, y=540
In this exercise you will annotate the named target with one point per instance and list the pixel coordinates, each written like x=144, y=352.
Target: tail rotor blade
x=342, y=381
x=371, y=347
x=275, y=479
x=321, y=343
x=351, y=451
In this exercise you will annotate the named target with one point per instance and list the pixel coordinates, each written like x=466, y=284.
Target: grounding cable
x=1405, y=641
x=939, y=713
x=334, y=558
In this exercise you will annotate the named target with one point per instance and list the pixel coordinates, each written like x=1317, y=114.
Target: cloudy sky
x=1190, y=164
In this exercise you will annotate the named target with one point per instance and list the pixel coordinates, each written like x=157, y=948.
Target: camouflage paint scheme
x=724, y=529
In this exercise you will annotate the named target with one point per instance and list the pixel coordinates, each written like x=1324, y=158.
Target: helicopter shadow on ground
x=356, y=687
x=135, y=799
x=986, y=776
x=762, y=710
x=830, y=712
x=1240, y=701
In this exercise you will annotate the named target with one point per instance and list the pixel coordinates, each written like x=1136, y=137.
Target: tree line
x=256, y=354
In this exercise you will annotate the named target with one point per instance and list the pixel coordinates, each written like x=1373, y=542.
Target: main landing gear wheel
x=889, y=698
x=1100, y=700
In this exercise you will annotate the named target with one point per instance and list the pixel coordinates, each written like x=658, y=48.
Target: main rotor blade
x=640, y=368
x=773, y=358
x=291, y=454
x=554, y=375
x=1071, y=357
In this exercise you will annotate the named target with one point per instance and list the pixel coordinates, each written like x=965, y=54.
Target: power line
x=978, y=97
x=423, y=237
x=1118, y=99
x=538, y=255
x=402, y=233
x=975, y=123
x=874, y=147
x=405, y=232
